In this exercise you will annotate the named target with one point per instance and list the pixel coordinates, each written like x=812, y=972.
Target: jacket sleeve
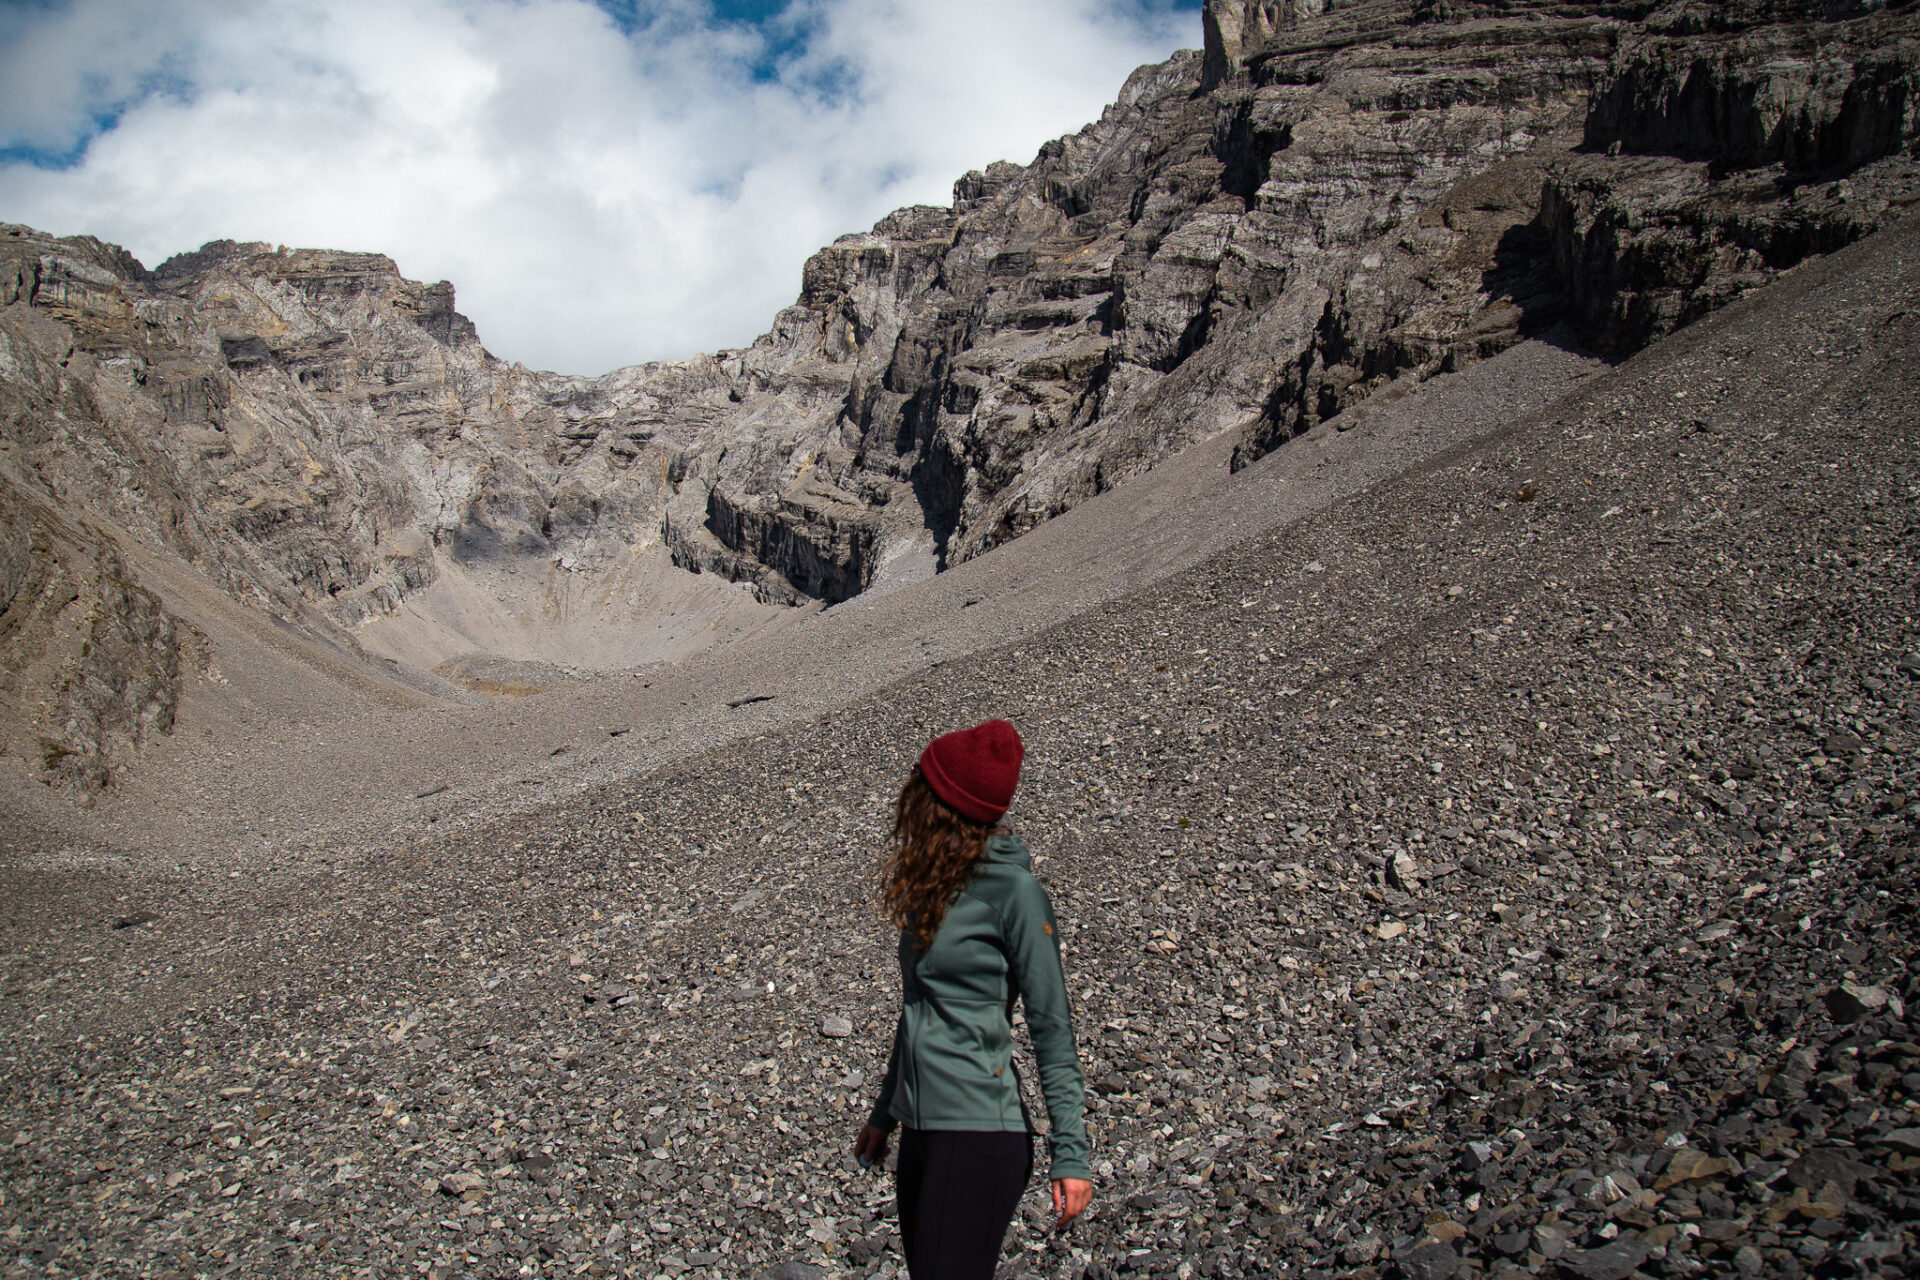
x=881, y=1117
x=1033, y=945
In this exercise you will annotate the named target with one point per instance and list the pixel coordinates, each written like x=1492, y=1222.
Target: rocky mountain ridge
x=1325, y=205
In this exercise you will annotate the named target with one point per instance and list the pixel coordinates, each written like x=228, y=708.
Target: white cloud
x=597, y=197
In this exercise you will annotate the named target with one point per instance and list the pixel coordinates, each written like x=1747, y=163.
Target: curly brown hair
x=929, y=859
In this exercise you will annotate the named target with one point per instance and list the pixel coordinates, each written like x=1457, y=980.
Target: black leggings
x=958, y=1191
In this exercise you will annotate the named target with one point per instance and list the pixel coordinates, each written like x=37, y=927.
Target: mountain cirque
x=1453, y=884
x=1483, y=821
x=1319, y=208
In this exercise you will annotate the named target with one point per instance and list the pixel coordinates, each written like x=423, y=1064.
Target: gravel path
x=1509, y=865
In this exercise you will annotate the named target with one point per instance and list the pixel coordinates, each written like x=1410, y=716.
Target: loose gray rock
x=1429, y=1262
x=793, y=1271
x=1614, y=1261
x=1850, y=1002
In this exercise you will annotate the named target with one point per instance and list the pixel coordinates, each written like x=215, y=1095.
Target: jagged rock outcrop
x=253, y=411
x=1346, y=200
x=320, y=436
x=1169, y=272
x=1328, y=203
x=1780, y=134
x=1232, y=27
x=1724, y=147
x=90, y=663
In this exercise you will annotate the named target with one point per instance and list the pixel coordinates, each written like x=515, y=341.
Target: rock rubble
x=1629, y=763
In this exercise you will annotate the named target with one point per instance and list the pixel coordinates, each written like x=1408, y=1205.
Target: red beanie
x=975, y=770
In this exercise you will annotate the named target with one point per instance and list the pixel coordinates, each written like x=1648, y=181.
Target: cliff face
x=90, y=663
x=1328, y=203
x=1723, y=148
x=320, y=436
x=252, y=411
x=1271, y=230
x=1711, y=148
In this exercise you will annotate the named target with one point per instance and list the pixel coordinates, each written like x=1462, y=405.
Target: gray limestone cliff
x=1326, y=204
x=1723, y=148
x=90, y=663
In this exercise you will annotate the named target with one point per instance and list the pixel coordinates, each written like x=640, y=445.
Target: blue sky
x=605, y=181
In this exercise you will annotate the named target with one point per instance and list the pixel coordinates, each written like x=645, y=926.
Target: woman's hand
x=870, y=1148
x=1070, y=1199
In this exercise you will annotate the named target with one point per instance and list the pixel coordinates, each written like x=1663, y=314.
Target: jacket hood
x=1006, y=847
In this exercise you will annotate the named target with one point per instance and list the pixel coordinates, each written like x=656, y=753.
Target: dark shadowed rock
x=792, y=1271
x=1614, y=1261
x=1429, y=1262
x=1852, y=1001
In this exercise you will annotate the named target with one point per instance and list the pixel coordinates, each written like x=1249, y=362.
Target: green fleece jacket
x=952, y=1064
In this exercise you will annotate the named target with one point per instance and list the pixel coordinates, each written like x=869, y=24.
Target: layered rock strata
x=1719, y=146
x=90, y=663
x=1715, y=158
x=1324, y=205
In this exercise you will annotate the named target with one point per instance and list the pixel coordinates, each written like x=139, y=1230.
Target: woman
x=976, y=934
